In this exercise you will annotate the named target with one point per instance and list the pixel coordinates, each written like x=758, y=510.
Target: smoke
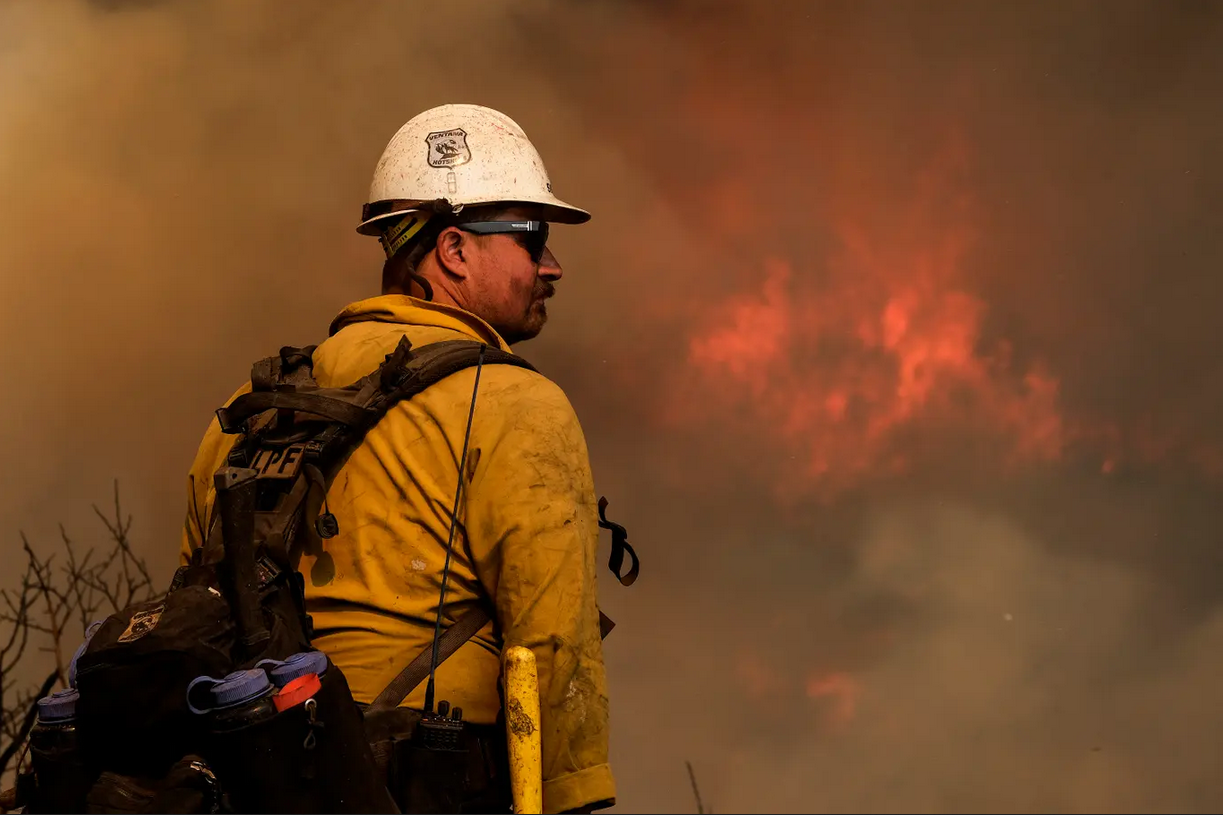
x=892, y=335
x=1014, y=678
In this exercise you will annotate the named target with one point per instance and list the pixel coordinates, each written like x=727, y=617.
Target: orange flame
x=889, y=338
x=842, y=689
x=836, y=693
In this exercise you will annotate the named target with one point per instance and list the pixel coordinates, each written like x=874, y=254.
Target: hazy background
x=895, y=337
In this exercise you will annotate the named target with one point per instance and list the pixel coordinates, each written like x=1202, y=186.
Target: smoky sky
x=893, y=335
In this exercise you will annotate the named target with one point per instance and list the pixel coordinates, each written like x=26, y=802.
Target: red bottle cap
x=297, y=691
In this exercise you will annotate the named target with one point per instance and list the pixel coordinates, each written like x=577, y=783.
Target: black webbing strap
x=459, y=632
x=405, y=373
x=436, y=361
x=619, y=548
x=233, y=418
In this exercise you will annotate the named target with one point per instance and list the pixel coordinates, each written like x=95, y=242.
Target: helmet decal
x=448, y=148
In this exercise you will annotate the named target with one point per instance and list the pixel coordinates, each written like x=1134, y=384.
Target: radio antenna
x=441, y=600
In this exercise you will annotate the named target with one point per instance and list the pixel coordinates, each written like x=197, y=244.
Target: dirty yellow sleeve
x=533, y=527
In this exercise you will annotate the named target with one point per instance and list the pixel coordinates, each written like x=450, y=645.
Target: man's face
x=508, y=288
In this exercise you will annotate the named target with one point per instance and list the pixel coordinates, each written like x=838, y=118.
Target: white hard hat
x=464, y=155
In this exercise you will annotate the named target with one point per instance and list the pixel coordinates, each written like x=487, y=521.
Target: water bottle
x=63, y=777
x=240, y=700
x=286, y=736
x=324, y=731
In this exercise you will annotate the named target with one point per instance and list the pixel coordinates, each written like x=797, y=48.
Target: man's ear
x=451, y=251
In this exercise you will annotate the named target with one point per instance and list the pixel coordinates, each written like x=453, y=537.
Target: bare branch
x=102, y=587
x=54, y=595
x=75, y=589
x=18, y=615
x=27, y=724
x=696, y=791
x=136, y=577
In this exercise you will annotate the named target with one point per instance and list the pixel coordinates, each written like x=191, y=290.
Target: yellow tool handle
x=522, y=730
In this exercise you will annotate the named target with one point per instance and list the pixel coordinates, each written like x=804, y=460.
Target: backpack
x=211, y=698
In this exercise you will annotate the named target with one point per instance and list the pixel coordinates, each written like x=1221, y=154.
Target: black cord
x=425, y=286
x=441, y=601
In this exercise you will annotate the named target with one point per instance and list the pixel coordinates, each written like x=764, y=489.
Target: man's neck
x=414, y=289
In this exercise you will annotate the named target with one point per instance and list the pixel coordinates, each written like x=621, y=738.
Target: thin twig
x=27, y=724
x=696, y=791
x=52, y=597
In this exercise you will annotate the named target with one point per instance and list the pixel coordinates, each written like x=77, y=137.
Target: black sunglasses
x=532, y=235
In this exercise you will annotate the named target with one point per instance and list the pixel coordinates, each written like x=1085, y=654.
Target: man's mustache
x=544, y=290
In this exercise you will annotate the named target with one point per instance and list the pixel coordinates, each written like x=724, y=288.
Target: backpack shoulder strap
x=431, y=364
x=359, y=406
x=459, y=632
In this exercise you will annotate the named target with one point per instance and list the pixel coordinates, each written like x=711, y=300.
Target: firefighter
x=462, y=205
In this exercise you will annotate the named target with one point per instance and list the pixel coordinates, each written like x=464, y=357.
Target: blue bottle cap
x=239, y=687
x=59, y=706
x=300, y=664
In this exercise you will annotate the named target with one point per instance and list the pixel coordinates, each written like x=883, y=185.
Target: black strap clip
x=620, y=547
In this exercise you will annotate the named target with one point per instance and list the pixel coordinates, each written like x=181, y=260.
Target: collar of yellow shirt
x=405, y=310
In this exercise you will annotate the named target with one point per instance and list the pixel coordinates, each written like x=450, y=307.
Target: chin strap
x=424, y=284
